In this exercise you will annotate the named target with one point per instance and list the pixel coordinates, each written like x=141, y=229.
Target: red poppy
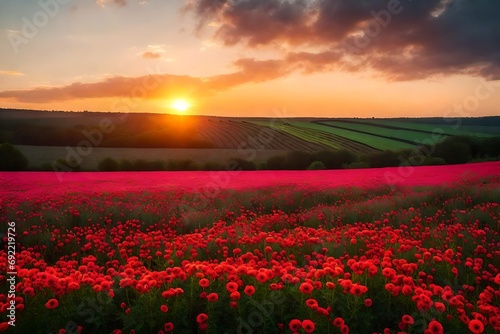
x=338, y=322
x=435, y=327
x=306, y=288
x=164, y=308
x=295, y=325
x=204, y=283
x=249, y=290
x=476, y=326
x=308, y=326
x=52, y=303
x=168, y=327
x=4, y=326
x=202, y=317
x=212, y=297
x=231, y=287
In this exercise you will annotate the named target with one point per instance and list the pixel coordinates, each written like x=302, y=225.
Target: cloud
x=11, y=73
x=402, y=40
x=154, y=86
x=154, y=51
x=103, y=3
x=151, y=55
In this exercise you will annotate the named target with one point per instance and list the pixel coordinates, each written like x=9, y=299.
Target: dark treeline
x=135, y=131
x=452, y=150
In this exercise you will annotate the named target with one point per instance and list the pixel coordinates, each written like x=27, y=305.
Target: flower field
x=289, y=252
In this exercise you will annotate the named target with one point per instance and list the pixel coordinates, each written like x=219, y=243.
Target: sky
x=272, y=58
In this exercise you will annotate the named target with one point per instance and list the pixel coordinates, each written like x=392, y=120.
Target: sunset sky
x=325, y=58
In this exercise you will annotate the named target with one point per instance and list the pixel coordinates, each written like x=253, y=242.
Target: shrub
x=433, y=161
x=276, y=162
x=297, y=160
x=108, y=165
x=244, y=164
x=335, y=159
x=11, y=159
x=454, y=150
x=383, y=159
x=212, y=166
x=126, y=165
x=316, y=165
x=356, y=165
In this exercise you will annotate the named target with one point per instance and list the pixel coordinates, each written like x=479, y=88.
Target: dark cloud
x=402, y=39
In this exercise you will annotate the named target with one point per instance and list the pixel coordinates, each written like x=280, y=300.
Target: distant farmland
x=40, y=155
x=42, y=136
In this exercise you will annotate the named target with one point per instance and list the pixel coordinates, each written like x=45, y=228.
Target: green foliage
x=108, y=165
x=243, y=164
x=11, y=159
x=454, y=150
x=383, y=159
x=316, y=165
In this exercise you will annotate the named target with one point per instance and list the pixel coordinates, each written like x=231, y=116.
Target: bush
x=108, y=165
x=335, y=159
x=433, y=161
x=11, y=159
x=275, y=163
x=297, y=160
x=182, y=165
x=316, y=165
x=212, y=166
x=383, y=159
x=356, y=165
x=244, y=164
x=454, y=150
x=126, y=165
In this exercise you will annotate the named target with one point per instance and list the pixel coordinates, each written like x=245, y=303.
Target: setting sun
x=180, y=105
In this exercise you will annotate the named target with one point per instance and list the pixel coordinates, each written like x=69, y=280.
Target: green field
x=373, y=141
x=394, y=134
x=447, y=129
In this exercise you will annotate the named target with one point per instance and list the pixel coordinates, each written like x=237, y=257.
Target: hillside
x=43, y=136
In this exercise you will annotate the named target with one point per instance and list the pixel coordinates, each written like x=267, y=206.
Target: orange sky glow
x=323, y=58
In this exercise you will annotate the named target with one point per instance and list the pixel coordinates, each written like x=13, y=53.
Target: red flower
x=295, y=325
x=407, y=319
x=168, y=327
x=435, y=327
x=338, y=322
x=231, y=287
x=368, y=302
x=164, y=308
x=4, y=326
x=212, y=297
x=51, y=304
x=202, y=317
x=306, y=288
x=204, y=283
x=249, y=290
x=476, y=326
x=308, y=326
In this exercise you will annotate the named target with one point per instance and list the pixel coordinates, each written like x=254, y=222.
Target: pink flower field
x=392, y=250
x=38, y=183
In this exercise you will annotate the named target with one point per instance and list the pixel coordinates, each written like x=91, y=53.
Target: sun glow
x=180, y=105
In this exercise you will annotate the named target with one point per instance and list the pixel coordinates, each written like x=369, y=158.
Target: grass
x=366, y=139
x=478, y=131
x=404, y=134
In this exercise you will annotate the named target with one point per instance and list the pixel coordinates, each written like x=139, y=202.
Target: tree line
x=452, y=150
